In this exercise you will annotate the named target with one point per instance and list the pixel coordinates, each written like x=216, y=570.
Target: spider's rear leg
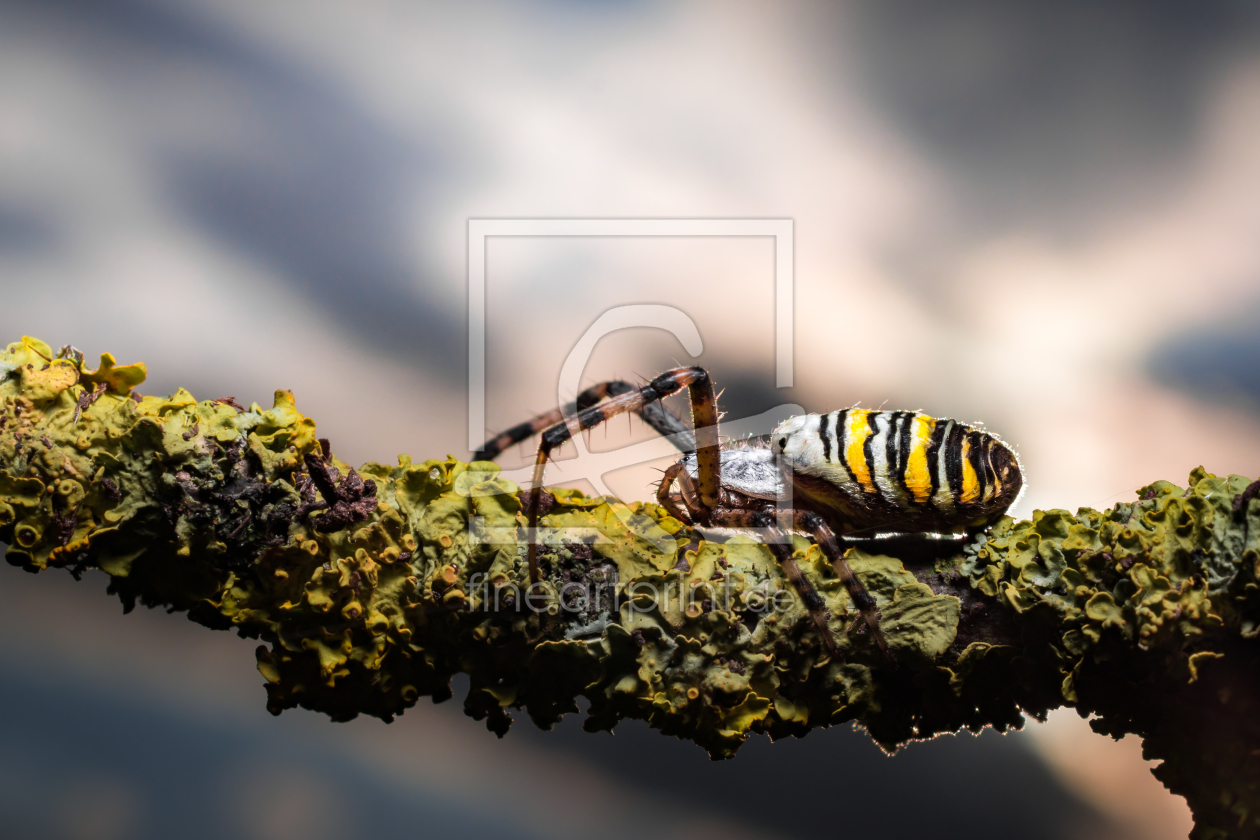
x=704, y=416
x=814, y=604
x=817, y=527
x=654, y=414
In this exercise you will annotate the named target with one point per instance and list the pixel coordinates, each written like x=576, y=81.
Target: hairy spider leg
x=817, y=527
x=804, y=521
x=654, y=414
x=704, y=417
x=814, y=604
x=664, y=491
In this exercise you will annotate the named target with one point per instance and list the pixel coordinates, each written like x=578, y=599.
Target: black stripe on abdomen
x=953, y=461
x=933, y=455
x=890, y=442
x=822, y=435
x=868, y=449
x=899, y=449
x=989, y=472
x=975, y=454
x=842, y=422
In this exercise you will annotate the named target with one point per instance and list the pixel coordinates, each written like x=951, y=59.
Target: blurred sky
x=1038, y=215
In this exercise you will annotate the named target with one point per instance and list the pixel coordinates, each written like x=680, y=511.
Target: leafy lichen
x=372, y=588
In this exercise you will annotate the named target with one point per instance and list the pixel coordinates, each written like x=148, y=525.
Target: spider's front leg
x=704, y=415
x=665, y=494
x=654, y=414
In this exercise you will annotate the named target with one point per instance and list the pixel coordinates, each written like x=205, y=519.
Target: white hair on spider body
x=751, y=471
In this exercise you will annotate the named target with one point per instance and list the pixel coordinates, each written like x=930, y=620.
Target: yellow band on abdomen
x=918, y=477
x=859, y=429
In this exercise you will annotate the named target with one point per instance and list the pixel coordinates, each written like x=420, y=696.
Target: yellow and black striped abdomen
x=899, y=470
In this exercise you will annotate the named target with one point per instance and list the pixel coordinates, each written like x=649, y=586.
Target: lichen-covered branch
x=370, y=588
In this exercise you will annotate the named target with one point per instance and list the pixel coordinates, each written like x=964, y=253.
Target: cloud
x=1043, y=113
x=264, y=153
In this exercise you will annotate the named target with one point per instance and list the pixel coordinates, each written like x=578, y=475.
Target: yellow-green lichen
x=1134, y=607
x=371, y=588
x=208, y=508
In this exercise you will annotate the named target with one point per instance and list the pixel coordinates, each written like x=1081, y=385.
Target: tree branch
x=371, y=588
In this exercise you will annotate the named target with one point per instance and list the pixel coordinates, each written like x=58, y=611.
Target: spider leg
x=654, y=414
x=664, y=493
x=818, y=529
x=814, y=604
x=704, y=416
x=690, y=499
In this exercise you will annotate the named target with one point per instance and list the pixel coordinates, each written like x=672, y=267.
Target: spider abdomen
x=898, y=470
